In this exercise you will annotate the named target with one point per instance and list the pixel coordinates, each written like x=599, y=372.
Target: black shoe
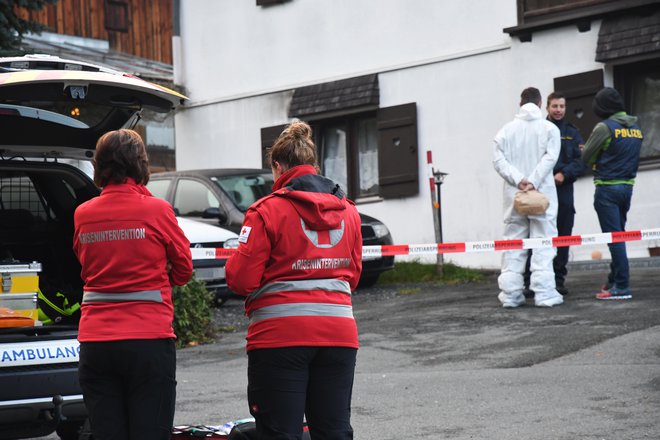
x=529, y=293
x=562, y=290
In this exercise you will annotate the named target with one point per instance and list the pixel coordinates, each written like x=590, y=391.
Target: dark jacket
x=613, y=149
x=569, y=163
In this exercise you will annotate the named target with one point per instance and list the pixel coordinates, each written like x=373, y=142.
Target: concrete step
x=605, y=263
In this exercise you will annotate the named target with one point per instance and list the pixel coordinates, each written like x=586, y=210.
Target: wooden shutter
x=116, y=15
x=398, y=166
x=268, y=137
x=580, y=90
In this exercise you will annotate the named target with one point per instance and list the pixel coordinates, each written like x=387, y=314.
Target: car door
x=161, y=188
x=195, y=199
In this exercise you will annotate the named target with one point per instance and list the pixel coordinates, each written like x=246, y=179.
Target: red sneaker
x=615, y=293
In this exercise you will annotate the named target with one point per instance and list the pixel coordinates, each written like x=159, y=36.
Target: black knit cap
x=607, y=102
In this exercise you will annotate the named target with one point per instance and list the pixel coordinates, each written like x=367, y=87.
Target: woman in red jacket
x=132, y=251
x=299, y=259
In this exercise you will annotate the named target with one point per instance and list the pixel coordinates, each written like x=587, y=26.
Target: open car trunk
x=52, y=112
x=37, y=202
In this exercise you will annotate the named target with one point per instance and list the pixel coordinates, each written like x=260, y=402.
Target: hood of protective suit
x=318, y=200
x=529, y=112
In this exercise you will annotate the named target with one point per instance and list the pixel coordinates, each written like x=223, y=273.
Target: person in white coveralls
x=526, y=150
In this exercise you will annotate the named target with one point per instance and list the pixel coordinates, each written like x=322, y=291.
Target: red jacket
x=299, y=258
x=124, y=240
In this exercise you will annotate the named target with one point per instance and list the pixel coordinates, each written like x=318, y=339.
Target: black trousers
x=286, y=383
x=129, y=388
x=565, y=222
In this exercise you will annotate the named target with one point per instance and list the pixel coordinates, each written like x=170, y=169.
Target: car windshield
x=245, y=189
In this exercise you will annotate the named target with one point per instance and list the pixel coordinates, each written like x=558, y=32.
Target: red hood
x=318, y=200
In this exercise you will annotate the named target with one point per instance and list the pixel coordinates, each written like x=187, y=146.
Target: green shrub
x=193, y=308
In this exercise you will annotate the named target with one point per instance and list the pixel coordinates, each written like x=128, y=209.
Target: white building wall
x=233, y=48
x=241, y=63
x=227, y=134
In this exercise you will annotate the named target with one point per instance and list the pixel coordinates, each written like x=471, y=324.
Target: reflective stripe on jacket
x=144, y=295
x=302, y=309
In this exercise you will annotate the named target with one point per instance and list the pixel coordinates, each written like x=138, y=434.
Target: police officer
x=613, y=150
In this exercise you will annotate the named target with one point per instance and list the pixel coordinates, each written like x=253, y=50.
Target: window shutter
x=116, y=15
x=398, y=167
x=268, y=137
x=580, y=90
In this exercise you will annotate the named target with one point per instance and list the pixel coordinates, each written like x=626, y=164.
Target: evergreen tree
x=12, y=27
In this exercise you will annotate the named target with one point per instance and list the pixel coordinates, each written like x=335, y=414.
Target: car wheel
x=368, y=280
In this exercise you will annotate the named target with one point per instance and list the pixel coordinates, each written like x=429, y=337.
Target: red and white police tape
x=370, y=252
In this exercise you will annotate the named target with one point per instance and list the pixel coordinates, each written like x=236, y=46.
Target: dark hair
x=294, y=147
x=530, y=94
x=555, y=95
x=120, y=154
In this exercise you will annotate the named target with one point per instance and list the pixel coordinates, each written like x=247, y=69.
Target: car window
x=159, y=188
x=17, y=192
x=245, y=190
x=192, y=198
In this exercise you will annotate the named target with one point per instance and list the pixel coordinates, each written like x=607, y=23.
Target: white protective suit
x=528, y=148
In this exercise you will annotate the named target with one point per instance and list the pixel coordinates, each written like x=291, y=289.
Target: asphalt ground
x=448, y=362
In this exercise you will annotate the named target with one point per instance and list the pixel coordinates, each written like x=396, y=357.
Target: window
x=639, y=84
x=348, y=153
x=18, y=193
x=535, y=15
x=370, y=151
x=159, y=188
x=192, y=198
x=530, y=9
x=244, y=190
x=580, y=90
x=116, y=15
x=369, y=154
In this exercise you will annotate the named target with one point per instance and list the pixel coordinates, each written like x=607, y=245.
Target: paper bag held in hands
x=530, y=202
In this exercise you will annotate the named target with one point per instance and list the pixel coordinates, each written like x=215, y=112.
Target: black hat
x=607, y=102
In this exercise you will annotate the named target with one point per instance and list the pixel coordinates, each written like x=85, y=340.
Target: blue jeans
x=612, y=203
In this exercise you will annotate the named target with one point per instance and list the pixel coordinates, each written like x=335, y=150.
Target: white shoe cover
x=511, y=300
x=548, y=299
